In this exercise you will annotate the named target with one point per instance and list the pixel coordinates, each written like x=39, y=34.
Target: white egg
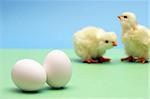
x=58, y=68
x=28, y=75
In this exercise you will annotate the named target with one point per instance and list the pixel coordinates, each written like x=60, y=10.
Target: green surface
x=115, y=80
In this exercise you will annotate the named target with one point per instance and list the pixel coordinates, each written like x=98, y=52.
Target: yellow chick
x=91, y=43
x=135, y=37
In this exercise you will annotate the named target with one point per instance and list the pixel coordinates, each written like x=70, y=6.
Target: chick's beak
x=114, y=43
x=119, y=17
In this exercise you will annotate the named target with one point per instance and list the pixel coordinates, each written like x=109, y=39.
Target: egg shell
x=58, y=68
x=28, y=75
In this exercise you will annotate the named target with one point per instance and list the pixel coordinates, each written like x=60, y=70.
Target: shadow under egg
x=16, y=90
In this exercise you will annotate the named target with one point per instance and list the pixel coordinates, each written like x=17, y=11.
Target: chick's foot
x=142, y=60
x=129, y=59
x=102, y=59
x=90, y=61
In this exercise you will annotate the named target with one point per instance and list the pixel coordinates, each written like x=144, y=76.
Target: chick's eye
x=106, y=41
x=125, y=16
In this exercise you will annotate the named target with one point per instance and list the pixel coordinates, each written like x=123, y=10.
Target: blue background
x=51, y=24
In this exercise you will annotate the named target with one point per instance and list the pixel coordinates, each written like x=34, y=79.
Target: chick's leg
x=142, y=60
x=129, y=58
x=89, y=61
x=102, y=59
